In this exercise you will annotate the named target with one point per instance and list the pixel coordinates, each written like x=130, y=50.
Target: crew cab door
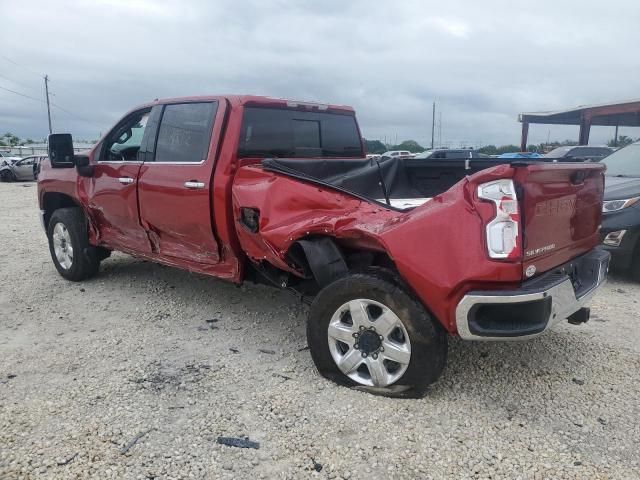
x=111, y=190
x=175, y=182
x=23, y=169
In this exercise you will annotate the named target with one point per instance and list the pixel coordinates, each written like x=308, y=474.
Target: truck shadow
x=558, y=360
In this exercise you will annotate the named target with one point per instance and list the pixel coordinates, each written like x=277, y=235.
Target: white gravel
x=85, y=368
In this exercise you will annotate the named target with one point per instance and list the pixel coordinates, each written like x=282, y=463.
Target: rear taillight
x=503, y=231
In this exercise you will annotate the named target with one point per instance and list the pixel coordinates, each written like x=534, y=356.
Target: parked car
x=448, y=154
x=26, y=168
x=621, y=210
x=396, y=255
x=579, y=153
x=397, y=154
x=523, y=155
x=6, y=158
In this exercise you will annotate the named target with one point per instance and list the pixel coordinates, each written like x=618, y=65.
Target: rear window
x=269, y=132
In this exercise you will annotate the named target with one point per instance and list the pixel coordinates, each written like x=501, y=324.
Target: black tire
x=428, y=340
x=85, y=261
x=7, y=176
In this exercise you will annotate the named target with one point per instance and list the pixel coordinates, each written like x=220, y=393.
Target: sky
x=482, y=62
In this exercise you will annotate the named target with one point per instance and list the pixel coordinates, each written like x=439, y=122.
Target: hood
x=621, y=187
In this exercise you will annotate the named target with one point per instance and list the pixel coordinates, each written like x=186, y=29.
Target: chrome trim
x=119, y=162
x=175, y=163
x=563, y=304
x=192, y=185
x=126, y=180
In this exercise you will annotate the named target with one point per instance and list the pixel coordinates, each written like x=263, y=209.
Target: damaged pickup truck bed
x=397, y=255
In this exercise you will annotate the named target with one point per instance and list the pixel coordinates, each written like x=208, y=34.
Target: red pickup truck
x=396, y=254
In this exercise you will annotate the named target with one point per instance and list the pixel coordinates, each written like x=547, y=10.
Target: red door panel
x=177, y=214
x=175, y=185
x=113, y=204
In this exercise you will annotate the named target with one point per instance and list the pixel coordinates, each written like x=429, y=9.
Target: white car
x=397, y=154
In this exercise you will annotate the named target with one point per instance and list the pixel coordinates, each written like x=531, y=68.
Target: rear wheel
x=72, y=255
x=368, y=332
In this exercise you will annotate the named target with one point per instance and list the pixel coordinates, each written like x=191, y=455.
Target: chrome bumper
x=537, y=306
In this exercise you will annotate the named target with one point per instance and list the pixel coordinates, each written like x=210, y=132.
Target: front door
x=23, y=169
x=112, y=189
x=174, y=185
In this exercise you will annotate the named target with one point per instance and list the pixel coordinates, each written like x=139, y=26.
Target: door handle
x=193, y=185
x=125, y=180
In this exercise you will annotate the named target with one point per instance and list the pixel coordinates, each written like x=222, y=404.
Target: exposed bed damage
x=415, y=240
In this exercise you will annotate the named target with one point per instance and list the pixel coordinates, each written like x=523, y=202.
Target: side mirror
x=61, y=150
x=84, y=168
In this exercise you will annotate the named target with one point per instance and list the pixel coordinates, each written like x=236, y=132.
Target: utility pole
x=46, y=89
x=433, y=124
x=440, y=129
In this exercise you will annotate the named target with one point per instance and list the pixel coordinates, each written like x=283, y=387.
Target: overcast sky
x=483, y=62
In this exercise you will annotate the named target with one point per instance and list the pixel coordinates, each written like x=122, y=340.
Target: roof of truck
x=257, y=100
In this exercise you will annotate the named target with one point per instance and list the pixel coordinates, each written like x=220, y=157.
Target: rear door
x=561, y=211
x=175, y=183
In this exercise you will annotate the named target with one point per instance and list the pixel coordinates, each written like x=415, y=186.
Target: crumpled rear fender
x=438, y=248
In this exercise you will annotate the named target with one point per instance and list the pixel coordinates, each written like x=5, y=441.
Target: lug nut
x=356, y=346
x=374, y=356
x=364, y=355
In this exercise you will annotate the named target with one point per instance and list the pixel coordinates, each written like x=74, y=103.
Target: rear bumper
x=537, y=305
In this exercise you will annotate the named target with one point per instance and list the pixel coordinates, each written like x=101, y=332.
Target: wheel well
x=52, y=201
x=323, y=259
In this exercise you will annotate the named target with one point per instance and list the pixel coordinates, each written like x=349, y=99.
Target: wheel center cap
x=369, y=342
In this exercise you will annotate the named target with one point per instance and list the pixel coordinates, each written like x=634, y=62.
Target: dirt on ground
x=139, y=371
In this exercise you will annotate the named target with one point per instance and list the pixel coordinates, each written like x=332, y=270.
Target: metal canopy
x=618, y=114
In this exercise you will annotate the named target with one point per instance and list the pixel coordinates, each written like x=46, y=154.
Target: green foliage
x=10, y=139
x=410, y=145
x=374, y=146
x=623, y=141
x=488, y=150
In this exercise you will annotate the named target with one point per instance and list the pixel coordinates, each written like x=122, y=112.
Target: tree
x=508, y=149
x=374, y=146
x=623, y=141
x=10, y=139
x=410, y=145
x=488, y=150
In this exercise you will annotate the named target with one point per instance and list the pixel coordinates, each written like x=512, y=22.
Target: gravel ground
x=182, y=359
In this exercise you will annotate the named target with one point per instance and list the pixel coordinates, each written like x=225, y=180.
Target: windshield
x=558, y=152
x=625, y=162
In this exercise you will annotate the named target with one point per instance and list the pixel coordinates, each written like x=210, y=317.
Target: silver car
x=26, y=168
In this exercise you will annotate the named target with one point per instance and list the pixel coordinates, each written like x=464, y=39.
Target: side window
x=124, y=141
x=185, y=132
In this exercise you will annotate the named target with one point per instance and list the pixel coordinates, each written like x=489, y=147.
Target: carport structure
x=618, y=114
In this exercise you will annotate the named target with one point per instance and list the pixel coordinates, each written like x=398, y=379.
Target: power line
x=30, y=70
x=19, y=83
x=23, y=95
x=52, y=104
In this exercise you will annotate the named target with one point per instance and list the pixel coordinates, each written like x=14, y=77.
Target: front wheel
x=71, y=253
x=366, y=331
x=7, y=176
